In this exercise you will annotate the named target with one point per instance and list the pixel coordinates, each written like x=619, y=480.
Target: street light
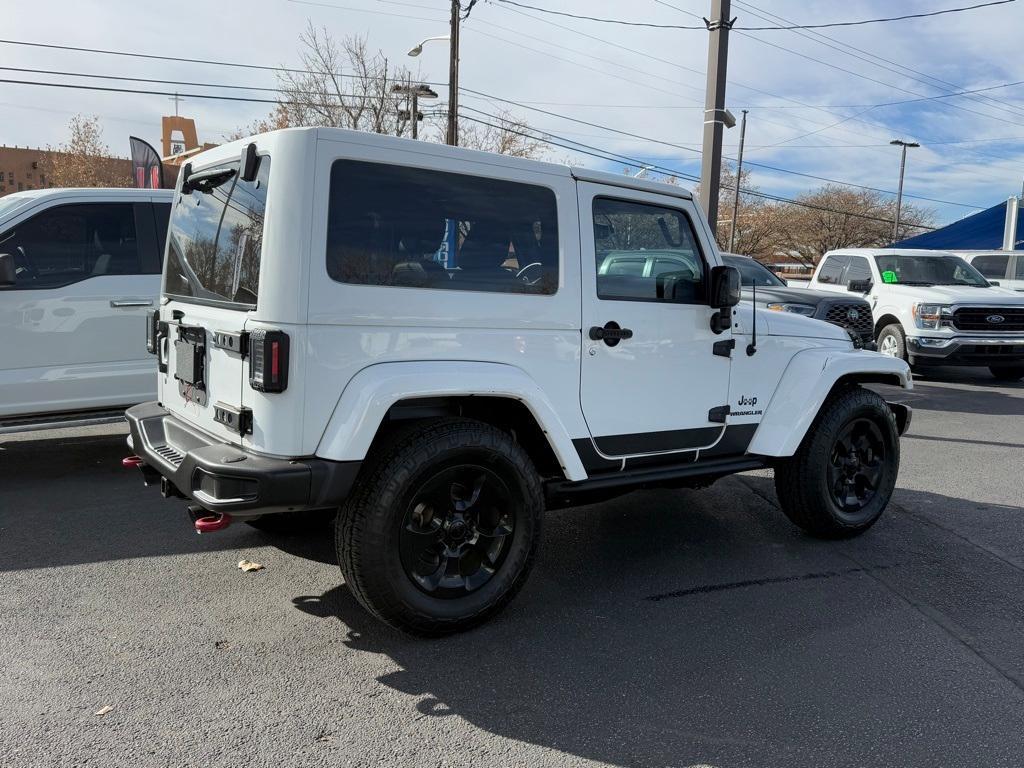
x=899, y=190
x=419, y=48
x=415, y=93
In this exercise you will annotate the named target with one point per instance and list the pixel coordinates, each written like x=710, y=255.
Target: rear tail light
x=152, y=331
x=268, y=360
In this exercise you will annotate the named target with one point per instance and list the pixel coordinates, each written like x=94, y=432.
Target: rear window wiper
x=205, y=181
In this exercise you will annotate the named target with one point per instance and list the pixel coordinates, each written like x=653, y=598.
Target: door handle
x=117, y=303
x=611, y=334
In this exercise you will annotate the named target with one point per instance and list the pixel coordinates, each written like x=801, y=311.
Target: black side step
x=32, y=423
x=563, y=493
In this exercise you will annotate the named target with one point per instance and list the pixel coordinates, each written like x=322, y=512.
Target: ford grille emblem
x=995, y=318
x=853, y=315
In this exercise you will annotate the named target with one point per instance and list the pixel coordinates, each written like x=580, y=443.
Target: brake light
x=152, y=331
x=268, y=360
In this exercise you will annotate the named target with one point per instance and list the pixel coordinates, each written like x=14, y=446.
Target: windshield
x=215, y=237
x=753, y=272
x=928, y=270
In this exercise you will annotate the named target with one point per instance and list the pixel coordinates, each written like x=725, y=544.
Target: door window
x=1020, y=268
x=992, y=266
x=646, y=252
x=69, y=243
x=832, y=269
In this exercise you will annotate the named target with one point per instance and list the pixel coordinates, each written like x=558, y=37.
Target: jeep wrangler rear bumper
x=226, y=478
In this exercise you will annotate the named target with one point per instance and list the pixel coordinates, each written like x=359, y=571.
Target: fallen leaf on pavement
x=247, y=565
x=103, y=710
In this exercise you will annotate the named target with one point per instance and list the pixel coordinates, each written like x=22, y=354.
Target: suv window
x=627, y=233
x=69, y=243
x=858, y=269
x=992, y=265
x=1020, y=268
x=390, y=225
x=215, y=238
x=832, y=269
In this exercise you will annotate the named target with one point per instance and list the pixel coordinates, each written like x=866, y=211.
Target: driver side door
x=653, y=387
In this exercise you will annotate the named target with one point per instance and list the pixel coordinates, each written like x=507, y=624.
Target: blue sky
x=812, y=100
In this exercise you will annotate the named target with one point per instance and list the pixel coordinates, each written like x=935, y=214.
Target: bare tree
x=505, y=134
x=840, y=217
x=85, y=160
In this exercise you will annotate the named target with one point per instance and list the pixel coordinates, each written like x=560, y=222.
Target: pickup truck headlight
x=930, y=316
x=806, y=310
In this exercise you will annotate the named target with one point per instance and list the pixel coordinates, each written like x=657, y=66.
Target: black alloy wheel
x=856, y=465
x=457, y=530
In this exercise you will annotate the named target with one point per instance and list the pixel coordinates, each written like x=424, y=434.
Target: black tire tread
x=378, y=485
x=796, y=478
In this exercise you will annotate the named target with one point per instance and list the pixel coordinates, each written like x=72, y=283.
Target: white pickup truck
x=79, y=270
x=931, y=307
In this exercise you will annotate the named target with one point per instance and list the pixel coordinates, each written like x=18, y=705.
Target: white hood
x=789, y=324
x=953, y=294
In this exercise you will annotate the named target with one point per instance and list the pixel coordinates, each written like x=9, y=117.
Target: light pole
x=739, y=177
x=899, y=189
x=415, y=93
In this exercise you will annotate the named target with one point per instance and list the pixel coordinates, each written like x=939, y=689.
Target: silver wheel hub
x=888, y=347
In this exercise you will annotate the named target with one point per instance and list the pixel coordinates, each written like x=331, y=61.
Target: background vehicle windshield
x=928, y=270
x=753, y=272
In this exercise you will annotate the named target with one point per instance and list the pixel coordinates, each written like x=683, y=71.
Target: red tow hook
x=215, y=522
x=132, y=461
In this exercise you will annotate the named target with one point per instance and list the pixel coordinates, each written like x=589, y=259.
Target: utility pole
x=452, y=137
x=739, y=177
x=715, y=114
x=414, y=94
x=899, y=189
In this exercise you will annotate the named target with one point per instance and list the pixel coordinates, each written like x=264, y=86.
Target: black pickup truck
x=851, y=312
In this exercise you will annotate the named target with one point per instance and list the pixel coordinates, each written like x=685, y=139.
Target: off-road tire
x=295, y=523
x=895, y=331
x=370, y=522
x=1007, y=372
x=801, y=481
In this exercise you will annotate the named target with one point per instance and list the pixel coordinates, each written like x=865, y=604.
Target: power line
x=626, y=23
x=636, y=163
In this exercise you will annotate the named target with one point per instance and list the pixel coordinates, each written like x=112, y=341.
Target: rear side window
x=389, y=225
x=859, y=270
x=1020, y=268
x=832, y=269
x=215, y=238
x=69, y=243
x=992, y=266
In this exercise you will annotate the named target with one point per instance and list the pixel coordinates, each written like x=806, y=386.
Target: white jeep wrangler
x=425, y=340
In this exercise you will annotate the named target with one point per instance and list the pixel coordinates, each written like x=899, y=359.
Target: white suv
x=932, y=307
x=1005, y=268
x=79, y=270
x=422, y=337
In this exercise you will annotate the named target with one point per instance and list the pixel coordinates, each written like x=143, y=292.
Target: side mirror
x=726, y=288
x=994, y=283
x=860, y=286
x=726, y=292
x=8, y=274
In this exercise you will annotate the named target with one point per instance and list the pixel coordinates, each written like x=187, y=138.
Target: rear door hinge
x=237, y=419
x=724, y=347
x=717, y=414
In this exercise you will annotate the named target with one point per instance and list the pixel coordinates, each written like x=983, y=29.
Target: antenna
x=752, y=346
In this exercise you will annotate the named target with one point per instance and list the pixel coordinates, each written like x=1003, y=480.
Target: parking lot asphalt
x=664, y=628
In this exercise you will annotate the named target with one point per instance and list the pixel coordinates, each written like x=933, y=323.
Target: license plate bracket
x=190, y=364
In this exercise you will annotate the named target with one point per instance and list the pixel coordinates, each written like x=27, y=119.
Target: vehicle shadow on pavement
x=684, y=628
x=66, y=501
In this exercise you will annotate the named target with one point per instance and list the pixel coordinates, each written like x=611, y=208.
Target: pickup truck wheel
x=842, y=476
x=893, y=342
x=288, y=523
x=1008, y=372
x=442, y=527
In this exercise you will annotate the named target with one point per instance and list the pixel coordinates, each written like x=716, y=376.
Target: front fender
x=372, y=391
x=805, y=384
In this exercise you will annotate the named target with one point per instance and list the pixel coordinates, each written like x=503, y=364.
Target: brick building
x=24, y=168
